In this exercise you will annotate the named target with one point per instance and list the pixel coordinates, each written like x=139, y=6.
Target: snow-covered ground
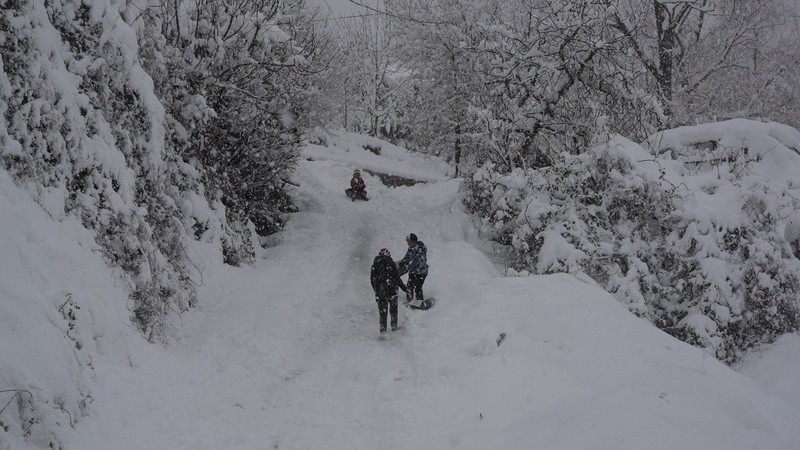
x=285, y=354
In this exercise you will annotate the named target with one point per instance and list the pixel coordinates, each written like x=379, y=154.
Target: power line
x=396, y=16
x=326, y=19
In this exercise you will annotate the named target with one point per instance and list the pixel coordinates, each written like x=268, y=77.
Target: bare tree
x=686, y=46
x=371, y=76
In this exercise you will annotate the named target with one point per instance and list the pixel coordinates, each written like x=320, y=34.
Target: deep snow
x=285, y=354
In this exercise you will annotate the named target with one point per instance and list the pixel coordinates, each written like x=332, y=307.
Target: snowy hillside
x=284, y=354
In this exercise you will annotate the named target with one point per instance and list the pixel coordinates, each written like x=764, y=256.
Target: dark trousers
x=387, y=305
x=415, y=281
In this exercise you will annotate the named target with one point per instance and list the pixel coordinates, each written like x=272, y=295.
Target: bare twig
x=16, y=393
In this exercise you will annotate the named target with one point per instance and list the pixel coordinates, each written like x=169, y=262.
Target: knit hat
x=384, y=252
x=411, y=237
x=356, y=172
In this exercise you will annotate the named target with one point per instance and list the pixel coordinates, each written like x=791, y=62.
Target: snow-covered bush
x=156, y=126
x=691, y=239
x=236, y=89
x=84, y=129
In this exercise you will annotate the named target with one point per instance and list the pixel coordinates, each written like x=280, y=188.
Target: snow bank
x=552, y=362
x=62, y=311
x=773, y=365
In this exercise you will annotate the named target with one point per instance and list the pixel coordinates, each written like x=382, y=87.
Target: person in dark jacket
x=415, y=263
x=358, y=189
x=385, y=280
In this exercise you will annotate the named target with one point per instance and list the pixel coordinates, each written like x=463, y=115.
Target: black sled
x=356, y=195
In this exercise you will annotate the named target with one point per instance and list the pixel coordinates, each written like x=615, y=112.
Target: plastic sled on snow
x=422, y=304
x=356, y=195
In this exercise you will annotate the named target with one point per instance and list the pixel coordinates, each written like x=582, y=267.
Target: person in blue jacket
x=415, y=263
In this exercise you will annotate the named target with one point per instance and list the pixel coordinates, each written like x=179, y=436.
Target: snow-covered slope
x=286, y=355
x=63, y=314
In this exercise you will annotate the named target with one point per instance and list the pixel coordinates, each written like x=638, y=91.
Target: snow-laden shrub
x=235, y=87
x=156, y=126
x=84, y=129
x=697, y=247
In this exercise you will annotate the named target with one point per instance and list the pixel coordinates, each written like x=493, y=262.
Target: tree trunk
x=666, y=48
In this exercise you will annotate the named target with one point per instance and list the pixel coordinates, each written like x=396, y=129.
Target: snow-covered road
x=294, y=339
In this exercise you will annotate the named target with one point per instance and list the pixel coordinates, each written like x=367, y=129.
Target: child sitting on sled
x=358, y=189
